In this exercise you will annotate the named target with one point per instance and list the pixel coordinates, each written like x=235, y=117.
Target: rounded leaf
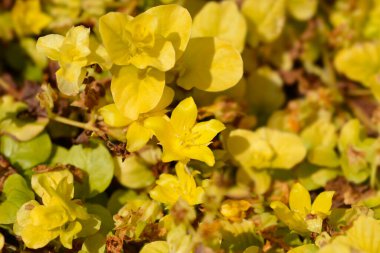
x=222, y=20
x=210, y=64
x=137, y=91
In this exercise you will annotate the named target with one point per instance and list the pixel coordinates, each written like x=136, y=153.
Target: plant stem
x=74, y=123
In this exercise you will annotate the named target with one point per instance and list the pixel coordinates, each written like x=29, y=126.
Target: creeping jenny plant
x=191, y=122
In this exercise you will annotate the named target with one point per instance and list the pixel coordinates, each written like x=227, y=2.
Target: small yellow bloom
x=303, y=216
x=181, y=138
x=28, y=18
x=170, y=188
x=235, y=210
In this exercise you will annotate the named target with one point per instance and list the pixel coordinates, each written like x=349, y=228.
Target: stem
x=8, y=88
x=74, y=123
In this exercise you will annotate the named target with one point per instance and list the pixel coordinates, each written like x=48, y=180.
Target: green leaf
x=15, y=192
x=96, y=160
x=10, y=123
x=25, y=155
x=156, y=247
x=107, y=223
x=133, y=172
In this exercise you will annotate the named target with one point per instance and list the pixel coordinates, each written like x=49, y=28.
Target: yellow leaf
x=113, y=117
x=302, y=9
x=174, y=24
x=137, y=91
x=222, y=20
x=137, y=136
x=136, y=41
x=28, y=18
x=209, y=64
x=50, y=45
x=265, y=19
x=70, y=79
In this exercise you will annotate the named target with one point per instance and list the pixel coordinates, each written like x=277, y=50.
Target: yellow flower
x=303, y=216
x=58, y=216
x=181, y=138
x=170, y=188
x=137, y=134
x=27, y=17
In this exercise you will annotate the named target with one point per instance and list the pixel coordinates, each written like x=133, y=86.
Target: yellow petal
x=113, y=117
x=222, y=20
x=201, y=153
x=165, y=191
x=137, y=91
x=114, y=36
x=210, y=64
x=299, y=199
x=204, y=132
x=137, y=136
x=186, y=180
x=50, y=45
x=286, y=216
x=174, y=24
x=322, y=204
x=163, y=130
x=70, y=79
x=184, y=115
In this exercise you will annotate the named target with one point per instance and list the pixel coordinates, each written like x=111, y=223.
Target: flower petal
x=322, y=204
x=299, y=199
x=184, y=115
x=201, y=153
x=204, y=132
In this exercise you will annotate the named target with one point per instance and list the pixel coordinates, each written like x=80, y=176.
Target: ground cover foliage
x=179, y=126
